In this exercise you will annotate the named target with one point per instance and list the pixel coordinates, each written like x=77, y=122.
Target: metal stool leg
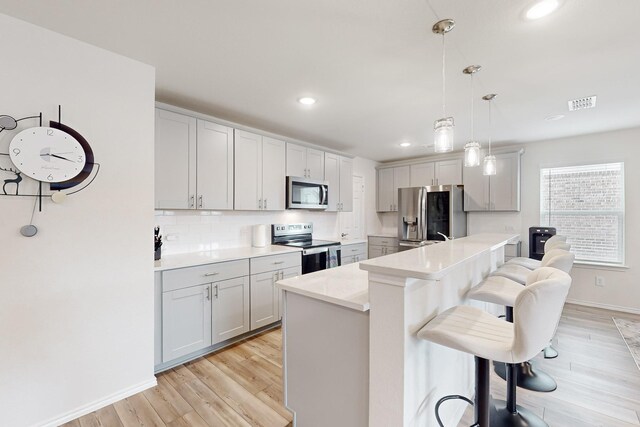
x=483, y=399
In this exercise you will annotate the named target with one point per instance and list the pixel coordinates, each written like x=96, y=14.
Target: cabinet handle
x=265, y=203
x=208, y=293
x=192, y=201
x=281, y=275
x=200, y=201
x=357, y=257
x=211, y=274
x=278, y=262
x=216, y=295
x=260, y=204
x=354, y=250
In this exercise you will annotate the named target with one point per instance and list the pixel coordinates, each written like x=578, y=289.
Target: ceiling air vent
x=582, y=103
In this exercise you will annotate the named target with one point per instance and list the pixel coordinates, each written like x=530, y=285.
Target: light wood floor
x=598, y=380
x=598, y=384
x=238, y=386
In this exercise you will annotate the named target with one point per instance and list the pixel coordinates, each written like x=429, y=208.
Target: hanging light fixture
x=489, y=167
x=443, y=128
x=472, y=148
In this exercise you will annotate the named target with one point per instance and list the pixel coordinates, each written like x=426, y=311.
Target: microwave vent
x=582, y=103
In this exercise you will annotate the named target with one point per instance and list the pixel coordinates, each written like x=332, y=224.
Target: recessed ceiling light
x=554, y=118
x=405, y=144
x=542, y=9
x=306, y=100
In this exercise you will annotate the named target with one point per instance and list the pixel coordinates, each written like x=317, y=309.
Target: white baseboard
x=93, y=406
x=605, y=306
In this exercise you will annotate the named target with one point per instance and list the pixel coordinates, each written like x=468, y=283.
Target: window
x=586, y=204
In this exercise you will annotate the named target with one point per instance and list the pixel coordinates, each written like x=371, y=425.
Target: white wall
x=76, y=300
x=622, y=286
x=210, y=230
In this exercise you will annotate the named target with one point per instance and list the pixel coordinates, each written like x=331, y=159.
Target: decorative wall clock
x=56, y=155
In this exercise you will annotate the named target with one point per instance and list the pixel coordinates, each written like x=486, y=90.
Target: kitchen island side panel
x=326, y=362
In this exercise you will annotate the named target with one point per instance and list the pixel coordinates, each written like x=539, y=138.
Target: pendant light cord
x=444, y=109
x=472, y=98
x=490, y=124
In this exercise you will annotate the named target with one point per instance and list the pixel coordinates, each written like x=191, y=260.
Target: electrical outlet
x=172, y=237
x=600, y=281
x=509, y=228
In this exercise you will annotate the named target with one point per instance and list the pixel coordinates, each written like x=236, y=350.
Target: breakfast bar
x=350, y=351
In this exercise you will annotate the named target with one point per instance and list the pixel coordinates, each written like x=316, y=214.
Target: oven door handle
x=314, y=251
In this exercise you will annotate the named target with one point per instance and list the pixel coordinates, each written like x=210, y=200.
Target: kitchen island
x=351, y=356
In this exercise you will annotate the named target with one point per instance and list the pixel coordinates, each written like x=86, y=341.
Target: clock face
x=47, y=154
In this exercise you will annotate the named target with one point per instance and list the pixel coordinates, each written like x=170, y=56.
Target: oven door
x=315, y=259
x=305, y=193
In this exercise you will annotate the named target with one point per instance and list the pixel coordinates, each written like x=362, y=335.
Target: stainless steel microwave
x=305, y=193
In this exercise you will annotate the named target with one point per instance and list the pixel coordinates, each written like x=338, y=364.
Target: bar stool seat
x=537, y=311
x=497, y=290
x=531, y=263
x=557, y=258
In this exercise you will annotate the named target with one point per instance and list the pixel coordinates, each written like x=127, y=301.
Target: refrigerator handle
x=421, y=215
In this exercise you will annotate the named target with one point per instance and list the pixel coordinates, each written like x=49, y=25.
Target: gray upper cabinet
x=175, y=160
x=214, y=185
x=389, y=180
x=500, y=192
x=443, y=172
x=338, y=172
x=193, y=163
x=305, y=162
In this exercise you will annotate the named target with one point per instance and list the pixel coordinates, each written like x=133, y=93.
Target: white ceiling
x=373, y=65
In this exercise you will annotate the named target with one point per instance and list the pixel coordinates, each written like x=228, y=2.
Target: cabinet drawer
x=355, y=249
x=191, y=276
x=383, y=241
x=275, y=262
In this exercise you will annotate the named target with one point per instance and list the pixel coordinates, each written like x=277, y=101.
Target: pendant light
x=472, y=148
x=489, y=167
x=443, y=128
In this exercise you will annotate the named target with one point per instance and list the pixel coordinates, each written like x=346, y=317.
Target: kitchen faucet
x=443, y=235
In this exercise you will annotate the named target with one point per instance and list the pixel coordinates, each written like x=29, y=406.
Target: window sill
x=600, y=266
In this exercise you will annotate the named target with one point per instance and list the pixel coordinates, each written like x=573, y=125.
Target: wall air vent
x=582, y=103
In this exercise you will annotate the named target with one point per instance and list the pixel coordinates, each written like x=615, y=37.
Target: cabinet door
x=215, y=166
x=375, y=251
x=186, y=321
x=273, y=176
x=422, y=175
x=332, y=176
x=175, y=160
x=348, y=259
x=401, y=179
x=248, y=171
x=385, y=190
x=315, y=164
x=346, y=184
x=264, y=299
x=296, y=160
x=505, y=184
x=287, y=273
x=449, y=172
x=476, y=190
x=230, y=309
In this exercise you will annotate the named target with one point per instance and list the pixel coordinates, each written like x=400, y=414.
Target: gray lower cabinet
x=186, y=321
x=230, y=309
x=353, y=253
x=266, y=299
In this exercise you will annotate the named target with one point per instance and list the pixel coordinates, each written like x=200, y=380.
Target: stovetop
x=306, y=244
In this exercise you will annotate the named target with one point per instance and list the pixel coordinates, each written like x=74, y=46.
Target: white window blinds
x=586, y=204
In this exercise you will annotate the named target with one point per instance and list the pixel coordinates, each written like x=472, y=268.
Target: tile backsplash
x=188, y=231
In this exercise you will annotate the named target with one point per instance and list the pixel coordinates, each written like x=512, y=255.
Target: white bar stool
x=554, y=242
x=503, y=291
x=537, y=310
x=557, y=258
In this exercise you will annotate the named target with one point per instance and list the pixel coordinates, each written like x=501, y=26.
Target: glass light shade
x=443, y=135
x=471, y=154
x=489, y=167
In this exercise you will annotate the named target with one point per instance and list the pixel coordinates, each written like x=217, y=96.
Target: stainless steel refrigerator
x=427, y=214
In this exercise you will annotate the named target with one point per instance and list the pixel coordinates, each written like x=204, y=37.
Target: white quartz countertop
x=169, y=262
x=347, y=286
x=434, y=261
